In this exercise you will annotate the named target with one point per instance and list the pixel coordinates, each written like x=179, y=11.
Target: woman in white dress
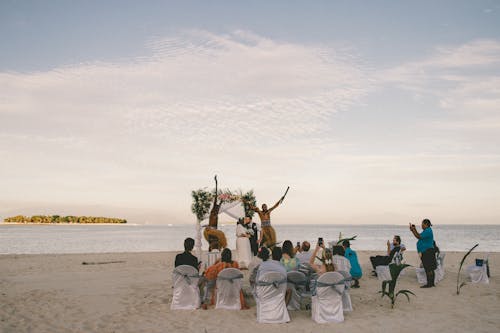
x=243, y=244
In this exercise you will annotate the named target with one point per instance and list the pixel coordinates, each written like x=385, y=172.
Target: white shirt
x=341, y=263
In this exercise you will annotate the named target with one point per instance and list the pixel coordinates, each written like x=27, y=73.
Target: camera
x=320, y=241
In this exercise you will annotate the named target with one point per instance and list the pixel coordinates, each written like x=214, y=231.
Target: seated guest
x=325, y=266
x=186, y=257
x=392, y=249
x=288, y=259
x=326, y=260
x=225, y=262
x=351, y=255
x=273, y=265
x=304, y=254
x=262, y=255
x=340, y=262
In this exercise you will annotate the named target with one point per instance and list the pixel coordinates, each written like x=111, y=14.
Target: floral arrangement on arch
x=248, y=198
x=202, y=200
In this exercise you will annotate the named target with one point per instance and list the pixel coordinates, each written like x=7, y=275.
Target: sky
x=373, y=112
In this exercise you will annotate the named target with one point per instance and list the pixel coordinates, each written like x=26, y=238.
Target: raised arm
x=275, y=205
x=215, y=196
x=413, y=229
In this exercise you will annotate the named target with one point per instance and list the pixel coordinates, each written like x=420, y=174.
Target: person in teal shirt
x=425, y=248
x=351, y=255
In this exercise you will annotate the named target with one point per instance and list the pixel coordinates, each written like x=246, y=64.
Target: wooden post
x=197, y=242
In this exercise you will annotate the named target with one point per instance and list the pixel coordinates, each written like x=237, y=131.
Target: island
x=48, y=219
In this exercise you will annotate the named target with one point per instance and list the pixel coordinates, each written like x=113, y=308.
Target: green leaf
x=348, y=239
x=405, y=292
x=460, y=268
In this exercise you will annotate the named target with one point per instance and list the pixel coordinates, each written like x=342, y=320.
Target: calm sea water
x=31, y=239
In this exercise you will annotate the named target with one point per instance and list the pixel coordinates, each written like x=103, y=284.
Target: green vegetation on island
x=61, y=219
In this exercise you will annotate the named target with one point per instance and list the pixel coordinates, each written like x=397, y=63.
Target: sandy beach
x=56, y=293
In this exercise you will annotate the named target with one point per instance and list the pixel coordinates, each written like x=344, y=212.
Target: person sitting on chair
x=304, y=254
x=214, y=270
x=392, y=249
x=288, y=260
x=186, y=257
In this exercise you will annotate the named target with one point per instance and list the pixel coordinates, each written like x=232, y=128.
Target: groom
x=253, y=236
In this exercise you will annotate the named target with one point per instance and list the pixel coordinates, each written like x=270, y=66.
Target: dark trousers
x=380, y=260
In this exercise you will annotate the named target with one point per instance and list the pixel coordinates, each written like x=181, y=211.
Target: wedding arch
x=234, y=204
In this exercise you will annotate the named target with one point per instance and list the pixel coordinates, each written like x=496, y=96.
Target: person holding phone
x=425, y=249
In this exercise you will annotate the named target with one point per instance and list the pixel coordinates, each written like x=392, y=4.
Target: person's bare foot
x=204, y=307
x=245, y=307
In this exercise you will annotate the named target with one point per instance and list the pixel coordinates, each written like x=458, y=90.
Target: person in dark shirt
x=392, y=249
x=186, y=257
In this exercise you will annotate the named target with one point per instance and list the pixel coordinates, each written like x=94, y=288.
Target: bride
x=243, y=244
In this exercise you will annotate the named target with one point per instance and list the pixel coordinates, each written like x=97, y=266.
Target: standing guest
x=304, y=254
x=340, y=262
x=351, y=255
x=225, y=262
x=425, y=249
x=288, y=259
x=243, y=244
x=186, y=257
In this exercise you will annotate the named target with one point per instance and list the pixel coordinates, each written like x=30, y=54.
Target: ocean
x=42, y=239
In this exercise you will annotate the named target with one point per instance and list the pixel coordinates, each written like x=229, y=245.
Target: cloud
x=463, y=79
x=194, y=88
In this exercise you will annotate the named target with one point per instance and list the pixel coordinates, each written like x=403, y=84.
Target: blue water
x=31, y=239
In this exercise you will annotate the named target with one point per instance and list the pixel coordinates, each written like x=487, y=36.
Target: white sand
x=56, y=293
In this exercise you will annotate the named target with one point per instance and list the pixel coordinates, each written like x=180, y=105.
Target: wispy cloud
x=194, y=88
x=464, y=79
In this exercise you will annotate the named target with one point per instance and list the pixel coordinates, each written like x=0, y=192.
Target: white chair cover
x=270, y=292
x=346, y=296
x=228, y=287
x=438, y=272
x=383, y=273
x=212, y=257
x=327, y=304
x=186, y=294
x=297, y=285
x=479, y=274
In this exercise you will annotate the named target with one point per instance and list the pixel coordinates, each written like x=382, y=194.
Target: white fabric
x=341, y=263
x=212, y=257
x=346, y=296
x=228, y=286
x=296, y=284
x=438, y=272
x=186, y=294
x=234, y=209
x=478, y=274
x=243, y=249
x=383, y=273
x=327, y=306
x=270, y=298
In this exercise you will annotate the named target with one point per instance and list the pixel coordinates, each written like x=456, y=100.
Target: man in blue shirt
x=353, y=259
x=425, y=248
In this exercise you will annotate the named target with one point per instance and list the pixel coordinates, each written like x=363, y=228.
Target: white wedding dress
x=243, y=247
